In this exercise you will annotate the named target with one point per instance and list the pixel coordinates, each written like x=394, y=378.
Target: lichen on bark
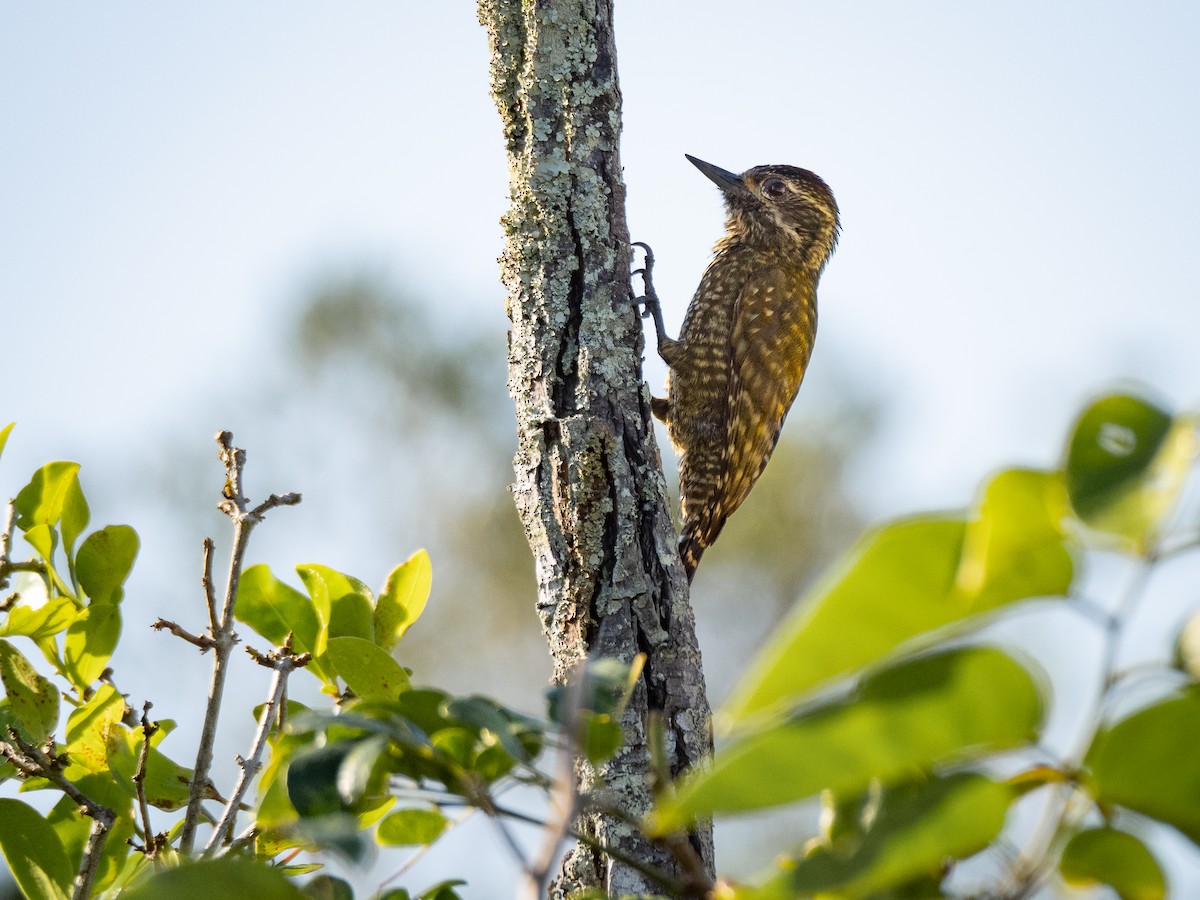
x=589, y=482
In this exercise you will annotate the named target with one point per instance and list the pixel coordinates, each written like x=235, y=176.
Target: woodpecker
x=746, y=339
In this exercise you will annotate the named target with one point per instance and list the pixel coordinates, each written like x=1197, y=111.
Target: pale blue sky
x=1018, y=183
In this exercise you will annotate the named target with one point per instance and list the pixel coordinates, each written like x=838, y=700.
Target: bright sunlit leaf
x=231, y=876
x=367, y=668
x=407, y=827
x=1126, y=463
x=4, y=433
x=105, y=560
x=1148, y=762
x=1015, y=547
x=44, y=539
x=951, y=706
x=41, y=501
x=40, y=622
x=33, y=851
x=1187, y=647
x=90, y=642
x=90, y=728
x=403, y=599
x=274, y=609
x=349, y=602
x=1115, y=858
x=912, y=832
x=32, y=698
x=909, y=578
x=75, y=515
x=880, y=594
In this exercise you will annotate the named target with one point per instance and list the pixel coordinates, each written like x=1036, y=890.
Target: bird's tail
x=690, y=551
x=696, y=537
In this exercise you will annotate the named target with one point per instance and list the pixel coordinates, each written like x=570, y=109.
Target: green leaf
x=410, y=827
x=914, y=829
x=32, y=698
x=486, y=715
x=1115, y=858
x=443, y=890
x=4, y=433
x=1014, y=545
x=43, y=539
x=1148, y=762
x=312, y=780
x=348, y=600
x=41, y=501
x=326, y=887
x=275, y=609
x=33, y=851
x=75, y=517
x=1126, y=463
x=42, y=621
x=888, y=587
x=602, y=737
x=104, y=562
x=367, y=668
x=166, y=782
x=228, y=876
x=357, y=773
x=907, y=579
x=946, y=707
x=90, y=729
x=403, y=599
x=90, y=642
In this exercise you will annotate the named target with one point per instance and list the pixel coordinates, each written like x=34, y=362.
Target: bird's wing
x=774, y=325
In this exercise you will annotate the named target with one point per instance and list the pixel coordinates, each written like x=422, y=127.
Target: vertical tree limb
x=589, y=482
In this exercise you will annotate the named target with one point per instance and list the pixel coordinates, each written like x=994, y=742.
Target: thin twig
x=669, y=883
x=7, y=566
x=203, y=641
x=33, y=761
x=206, y=582
x=224, y=638
x=273, y=502
x=1033, y=866
x=283, y=662
x=153, y=842
x=564, y=796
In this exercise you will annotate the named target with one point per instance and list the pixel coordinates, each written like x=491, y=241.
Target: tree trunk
x=589, y=483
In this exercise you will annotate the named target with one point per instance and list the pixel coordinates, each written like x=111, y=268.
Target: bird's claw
x=650, y=307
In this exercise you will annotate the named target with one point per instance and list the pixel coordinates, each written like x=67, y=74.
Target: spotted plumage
x=746, y=340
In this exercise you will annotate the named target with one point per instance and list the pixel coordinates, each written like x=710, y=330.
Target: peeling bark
x=589, y=483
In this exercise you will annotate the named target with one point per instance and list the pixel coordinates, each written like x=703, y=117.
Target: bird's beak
x=726, y=181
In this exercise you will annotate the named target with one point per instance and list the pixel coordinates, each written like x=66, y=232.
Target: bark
x=589, y=483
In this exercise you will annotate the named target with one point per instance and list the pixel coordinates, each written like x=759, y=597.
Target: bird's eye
x=774, y=188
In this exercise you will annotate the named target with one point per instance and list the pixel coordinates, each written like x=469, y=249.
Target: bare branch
x=206, y=581
x=7, y=566
x=203, y=641
x=223, y=636
x=46, y=763
x=154, y=842
x=273, y=502
x=283, y=661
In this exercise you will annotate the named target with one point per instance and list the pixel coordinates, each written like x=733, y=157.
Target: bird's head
x=782, y=208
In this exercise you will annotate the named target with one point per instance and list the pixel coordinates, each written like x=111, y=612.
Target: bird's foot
x=648, y=304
